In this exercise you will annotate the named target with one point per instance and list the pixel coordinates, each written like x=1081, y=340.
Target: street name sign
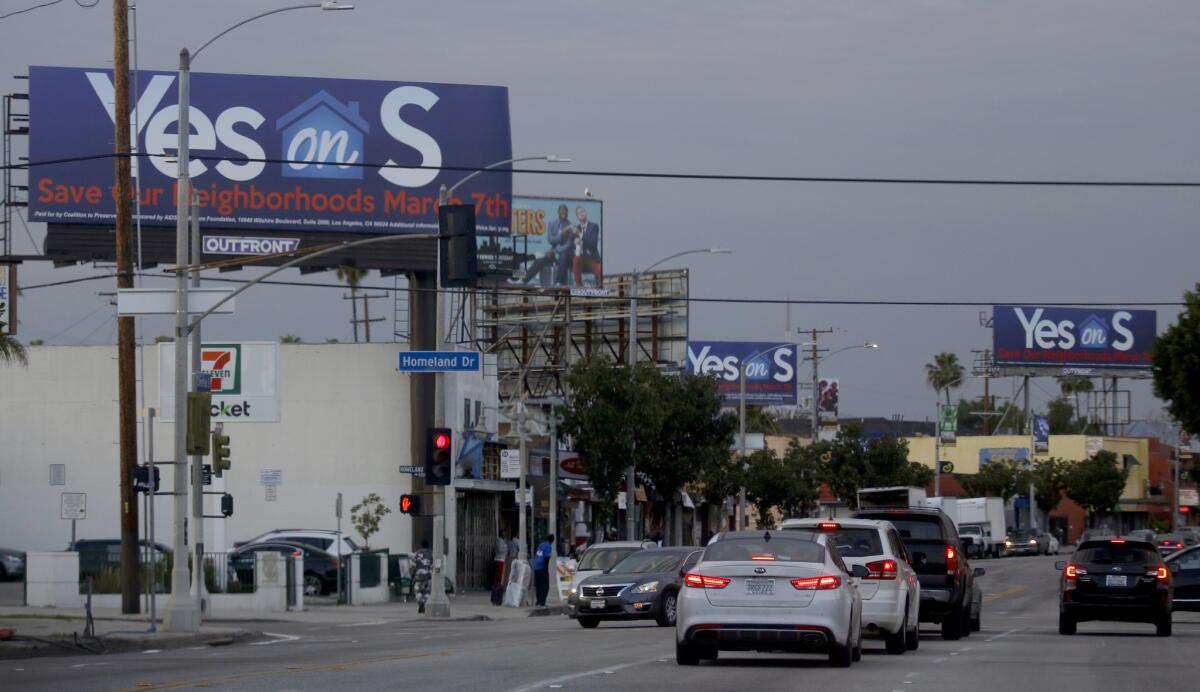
x=439, y=361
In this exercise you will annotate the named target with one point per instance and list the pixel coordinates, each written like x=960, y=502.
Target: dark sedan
x=643, y=586
x=1185, y=568
x=320, y=567
x=1168, y=543
x=1116, y=580
x=1021, y=542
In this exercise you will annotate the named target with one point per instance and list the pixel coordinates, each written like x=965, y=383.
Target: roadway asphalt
x=1019, y=648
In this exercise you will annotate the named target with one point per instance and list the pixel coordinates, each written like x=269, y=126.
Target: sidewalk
x=62, y=629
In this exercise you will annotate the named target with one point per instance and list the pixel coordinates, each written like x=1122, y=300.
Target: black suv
x=949, y=594
x=1115, y=579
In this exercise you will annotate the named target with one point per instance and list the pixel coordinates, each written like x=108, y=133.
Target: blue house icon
x=1093, y=333
x=323, y=138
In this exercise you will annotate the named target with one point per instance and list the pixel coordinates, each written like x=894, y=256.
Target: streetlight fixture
x=444, y=193
x=815, y=391
x=182, y=612
x=630, y=473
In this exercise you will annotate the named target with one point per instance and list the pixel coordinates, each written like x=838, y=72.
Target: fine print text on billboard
x=770, y=374
x=275, y=153
x=1075, y=338
x=554, y=242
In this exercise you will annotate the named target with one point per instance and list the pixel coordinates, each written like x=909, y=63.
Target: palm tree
x=1075, y=384
x=290, y=339
x=353, y=276
x=944, y=373
x=12, y=350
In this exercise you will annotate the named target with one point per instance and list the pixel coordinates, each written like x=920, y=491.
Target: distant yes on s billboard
x=770, y=374
x=1076, y=339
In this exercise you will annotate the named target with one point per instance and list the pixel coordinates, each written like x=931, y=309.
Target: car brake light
x=1118, y=541
x=1178, y=545
x=829, y=526
x=1074, y=571
x=700, y=581
x=951, y=561
x=881, y=569
x=817, y=583
x=1161, y=573
x=762, y=557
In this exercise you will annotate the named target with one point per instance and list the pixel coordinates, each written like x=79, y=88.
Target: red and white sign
x=570, y=466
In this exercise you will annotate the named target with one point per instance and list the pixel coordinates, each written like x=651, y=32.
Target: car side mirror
x=1060, y=565
x=919, y=559
x=860, y=571
x=979, y=571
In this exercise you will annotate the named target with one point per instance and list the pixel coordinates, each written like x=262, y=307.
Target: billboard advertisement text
x=244, y=376
x=555, y=241
x=770, y=377
x=1076, y=338
x=273, y=153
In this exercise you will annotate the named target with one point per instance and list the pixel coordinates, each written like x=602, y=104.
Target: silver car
x=770, y=591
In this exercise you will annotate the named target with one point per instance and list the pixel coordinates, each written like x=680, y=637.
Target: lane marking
x=607, y=670
x=939, y=659
x=279, y=638
x=369, y=623
x=152, y=651
x=989, y=598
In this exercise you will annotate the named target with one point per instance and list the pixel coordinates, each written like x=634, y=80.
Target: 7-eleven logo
x=223, y=362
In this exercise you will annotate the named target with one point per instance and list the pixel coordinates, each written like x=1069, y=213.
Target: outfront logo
x=223, y=362
x=323, y=138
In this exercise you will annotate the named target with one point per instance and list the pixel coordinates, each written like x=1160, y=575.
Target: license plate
x=760, y=587
x=1116, y=580
x=597, y=604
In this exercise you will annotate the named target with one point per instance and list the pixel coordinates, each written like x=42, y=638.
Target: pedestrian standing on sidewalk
x=541, y=569
x=422, y=574
x=514, y=552
x=499, y=556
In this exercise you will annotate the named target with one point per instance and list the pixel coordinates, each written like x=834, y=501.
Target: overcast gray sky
x=1091, y=89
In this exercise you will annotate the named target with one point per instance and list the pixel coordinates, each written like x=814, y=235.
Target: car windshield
x=1021, y=535
x=1115, y=555
x=915, y=529
x=603, y=558
x=776, y=549
x=970, y=531
x=648, y=561
x=850, y=542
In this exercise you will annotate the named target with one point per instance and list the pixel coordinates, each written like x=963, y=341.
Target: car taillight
x=1178, y=545
x=817, y=583
x=1117, y=541
x=829, y=526
x=951, y=561
x=1161, y=573
x=881, y=569
x=762, y=557
x=1075, y=571
x=700, y=581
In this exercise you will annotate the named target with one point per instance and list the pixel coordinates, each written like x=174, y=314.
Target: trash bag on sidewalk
x=518, y=584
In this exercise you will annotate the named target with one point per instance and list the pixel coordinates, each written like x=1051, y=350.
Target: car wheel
x=840, y=656
x=3, y=573
x=856, y=652
x=1163, y=627
x=912, y=640
x=966, y=623
x=312, y=584
x=896, y=642
x=1066, y=624
x=667, y=610
x=588, y=623
x=952, y=625
x=686, y=654
x=977, y=621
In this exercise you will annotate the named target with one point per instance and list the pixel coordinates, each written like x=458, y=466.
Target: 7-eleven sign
x=223, y=362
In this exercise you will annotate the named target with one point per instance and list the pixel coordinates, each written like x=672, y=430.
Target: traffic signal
x=410, y=504
x=220, y=452
x=438, y=467
x=227, y=504
x=141, y=478
x=199, y=420
x=456, y=245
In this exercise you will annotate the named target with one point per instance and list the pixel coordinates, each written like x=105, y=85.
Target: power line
x=668, y=175
x=47, y=4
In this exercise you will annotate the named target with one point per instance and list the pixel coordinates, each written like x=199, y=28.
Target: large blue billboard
x=770, y=370
x=1075, y=339
x=276, y=153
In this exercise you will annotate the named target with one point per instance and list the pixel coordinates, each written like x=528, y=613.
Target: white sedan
x=770, y=591
x=891, y=592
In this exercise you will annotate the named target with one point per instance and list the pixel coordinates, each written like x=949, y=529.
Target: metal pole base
x=181, y=615
x=438, y=605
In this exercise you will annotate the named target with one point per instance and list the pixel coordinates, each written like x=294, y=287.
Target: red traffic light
x=441, y=441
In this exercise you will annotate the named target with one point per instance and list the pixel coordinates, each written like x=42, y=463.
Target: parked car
x=1141, y=535
x=597, y=559
x=99, y=554
x=321, y=539
x=770, y=591
x=320, y=567
x=981, y=542
x=949, y=594
x=1184, y=566
x=1189, y=533
x=1168, y=543
x=1115, y=579
x=1024, y=542
x=891, y=593
x=12, y=564
x=1050, y=543
x=643, y=586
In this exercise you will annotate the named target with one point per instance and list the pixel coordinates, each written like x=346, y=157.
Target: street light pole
x=631, y=471
x=182, y=611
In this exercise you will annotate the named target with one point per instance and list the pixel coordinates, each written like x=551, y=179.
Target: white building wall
x=344, y=427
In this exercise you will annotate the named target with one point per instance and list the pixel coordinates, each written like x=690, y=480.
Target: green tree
x=11, y=350
x=760, y=420
x=848, y=464
x=1074, y=385
x=1061, y=416
x=1096, y=483
x=290, y=339
x=944, y=373
x=1002, y=478
x=366, y=516
x=1175, y=364
x=804, y=466
x=1049, y=478
x=768, y=484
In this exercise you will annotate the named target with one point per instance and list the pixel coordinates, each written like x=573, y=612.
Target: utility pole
x=197, y=469
x=126, y=397
x=1032, y=452
x=631, y=471
x=366, y=318
x=982, y=368
x=814, y=356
